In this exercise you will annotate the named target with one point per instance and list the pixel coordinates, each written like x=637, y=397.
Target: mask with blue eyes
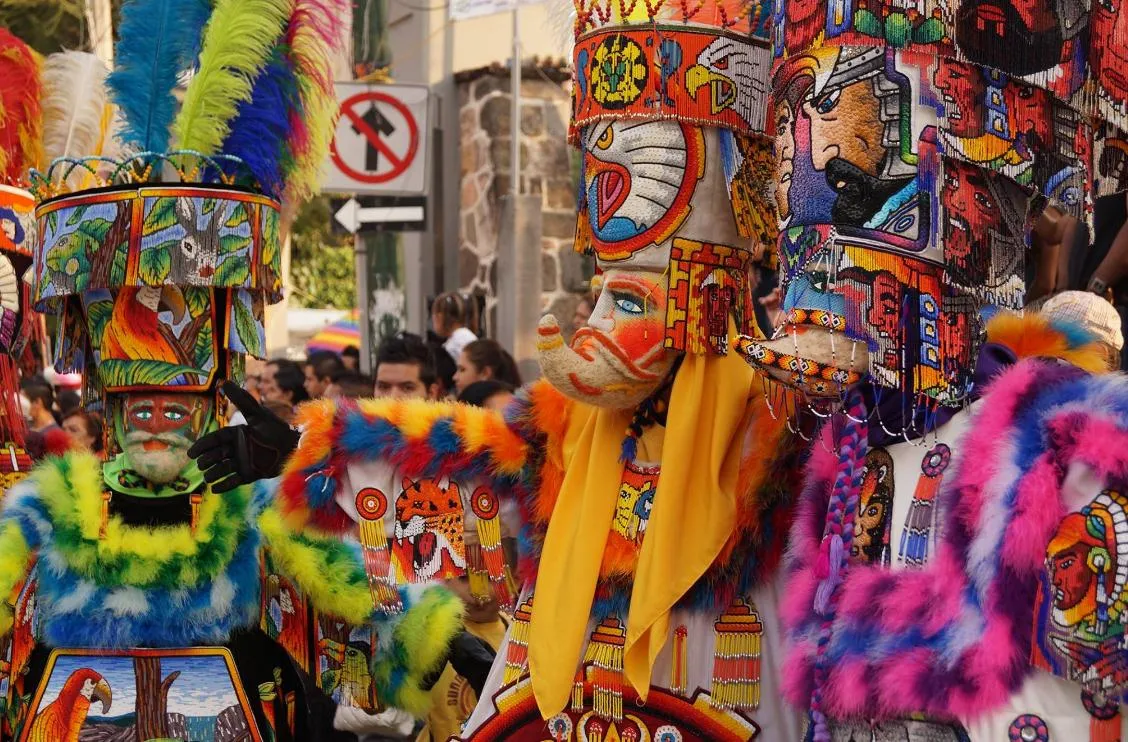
x=619, y=358
x=155, y=430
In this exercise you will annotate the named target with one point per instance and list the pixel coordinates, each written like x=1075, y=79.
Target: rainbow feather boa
x=137, y=586
x=521, y=456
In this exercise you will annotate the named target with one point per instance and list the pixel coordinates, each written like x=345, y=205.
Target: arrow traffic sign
x=384, y=127
x=379, y=146
x=383, y=214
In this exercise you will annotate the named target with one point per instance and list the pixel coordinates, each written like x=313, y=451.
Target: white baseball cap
x=1092, y=312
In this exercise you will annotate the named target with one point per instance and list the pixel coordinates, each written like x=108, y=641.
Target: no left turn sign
x=379, y=146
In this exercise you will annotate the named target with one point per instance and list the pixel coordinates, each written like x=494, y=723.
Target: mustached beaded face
x=619, y=357
x=158, y=429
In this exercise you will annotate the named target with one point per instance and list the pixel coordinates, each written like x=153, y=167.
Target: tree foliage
x=322, y=266
x=50, y=26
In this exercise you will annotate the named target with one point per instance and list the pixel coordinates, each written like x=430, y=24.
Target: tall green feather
x=237, y=45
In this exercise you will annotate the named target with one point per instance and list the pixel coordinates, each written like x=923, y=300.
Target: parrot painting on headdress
x=135, y=331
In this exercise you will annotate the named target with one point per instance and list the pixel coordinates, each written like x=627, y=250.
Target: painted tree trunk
x=152, y=698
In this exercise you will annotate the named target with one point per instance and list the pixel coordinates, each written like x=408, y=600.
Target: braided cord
x=834, y=550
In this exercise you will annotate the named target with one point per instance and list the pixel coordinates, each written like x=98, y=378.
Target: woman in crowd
x=492, y=394
x=85, y=430
x=451, y=316
x=583, y=311
x=482, y=360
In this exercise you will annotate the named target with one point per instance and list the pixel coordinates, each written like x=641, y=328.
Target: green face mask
x=155, y=431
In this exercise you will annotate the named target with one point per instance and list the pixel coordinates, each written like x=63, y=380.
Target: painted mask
x=669, y=113
x=155, y=430
x=620, y=357
x=658, y=215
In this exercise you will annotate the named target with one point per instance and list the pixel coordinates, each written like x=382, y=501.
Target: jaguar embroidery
x=428, y=542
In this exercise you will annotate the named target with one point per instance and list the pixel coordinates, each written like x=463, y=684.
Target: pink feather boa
x=952, y=640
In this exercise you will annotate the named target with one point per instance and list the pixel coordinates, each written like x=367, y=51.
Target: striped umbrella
x=335, y=337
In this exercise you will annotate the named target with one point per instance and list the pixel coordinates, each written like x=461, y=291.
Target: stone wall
x=548, y=167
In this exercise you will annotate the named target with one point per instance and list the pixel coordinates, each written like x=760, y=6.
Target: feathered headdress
x=160, y=251
x=259, y=99
x=20, y=120
x=20, y=149
x=77, y=114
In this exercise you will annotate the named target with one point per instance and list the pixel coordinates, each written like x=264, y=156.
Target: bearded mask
x=156, y=429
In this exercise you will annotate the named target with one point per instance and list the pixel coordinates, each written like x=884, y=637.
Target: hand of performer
x=391, y=722
x=241, y=454
x=470, y=657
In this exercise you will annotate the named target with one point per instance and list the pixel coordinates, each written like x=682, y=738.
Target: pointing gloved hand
x=242, y=454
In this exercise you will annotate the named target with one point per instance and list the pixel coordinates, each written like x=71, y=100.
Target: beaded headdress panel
x=915, y=146
x=669, y=107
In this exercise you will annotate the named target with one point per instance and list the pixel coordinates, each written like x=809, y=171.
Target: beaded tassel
x=292, y=711
x=1104, y=730
x=679, y=670
x=18, y=459
x=736, y=657
x=105, y=523
x=371, y=505
x=476, y=572
x=195, y=499
x=1104, y=716
x=577, y=706
x=517, y=653
x=603, y=661
x=487, y=508
x=913, y=549
x=268, y=694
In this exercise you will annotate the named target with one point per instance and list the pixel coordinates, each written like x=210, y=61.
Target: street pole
x=99, y=25
x=515, y=115
x=363, y=304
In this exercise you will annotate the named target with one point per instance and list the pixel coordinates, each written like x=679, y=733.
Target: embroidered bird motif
x=62, y=719
x=135, y=331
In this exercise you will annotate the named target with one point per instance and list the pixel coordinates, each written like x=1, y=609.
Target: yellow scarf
x=693, y=516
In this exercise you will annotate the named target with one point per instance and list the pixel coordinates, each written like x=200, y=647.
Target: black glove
x=470, y=657
x=242, y=454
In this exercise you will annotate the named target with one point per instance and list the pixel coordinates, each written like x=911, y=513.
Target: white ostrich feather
x=74, y=105
x=561, y=22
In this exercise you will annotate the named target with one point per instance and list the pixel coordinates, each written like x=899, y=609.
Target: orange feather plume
x=21, y=120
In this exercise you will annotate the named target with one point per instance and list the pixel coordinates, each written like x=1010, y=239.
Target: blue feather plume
x=159, y=39
x=262, y=125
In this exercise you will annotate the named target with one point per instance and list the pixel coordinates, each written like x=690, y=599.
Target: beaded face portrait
x=903, y=189
x=1078, y=631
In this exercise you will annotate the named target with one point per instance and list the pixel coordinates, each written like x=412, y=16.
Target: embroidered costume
x=141, y=602
x=648, y=471
x=937, y=588
x=466, y=463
